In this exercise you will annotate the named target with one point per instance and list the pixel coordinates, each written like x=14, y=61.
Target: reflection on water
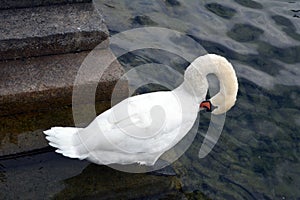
x=52, y=176
x=257, y=155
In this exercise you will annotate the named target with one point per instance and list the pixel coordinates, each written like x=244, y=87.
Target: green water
x=257, y=155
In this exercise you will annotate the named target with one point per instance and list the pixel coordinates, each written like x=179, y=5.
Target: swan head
x=195, y=77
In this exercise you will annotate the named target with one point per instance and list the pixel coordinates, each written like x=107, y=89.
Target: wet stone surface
x=50, y=30
x=9, y=4
x=36, y=94
x=41, y=83
x=23, y=132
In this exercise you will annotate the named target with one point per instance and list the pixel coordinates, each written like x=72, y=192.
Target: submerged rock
x=143, y=20
x=220, y=10
x=102, y=182
x=244, y=33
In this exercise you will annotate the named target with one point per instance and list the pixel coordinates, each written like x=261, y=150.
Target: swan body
x=141, y=128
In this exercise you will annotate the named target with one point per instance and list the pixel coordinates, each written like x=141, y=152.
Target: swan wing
x=134, y=123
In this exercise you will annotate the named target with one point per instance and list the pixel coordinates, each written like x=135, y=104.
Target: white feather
x=141, y=128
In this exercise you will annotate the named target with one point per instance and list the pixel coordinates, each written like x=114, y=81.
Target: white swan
x=141, y=128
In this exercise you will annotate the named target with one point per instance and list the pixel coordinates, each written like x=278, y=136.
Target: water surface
x=257, y=156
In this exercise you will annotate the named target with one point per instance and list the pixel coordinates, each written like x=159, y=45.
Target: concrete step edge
x=12, y=4
x=50, y=30
x=47, y=82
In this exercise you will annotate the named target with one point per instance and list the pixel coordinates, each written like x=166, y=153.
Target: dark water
x=257, y=155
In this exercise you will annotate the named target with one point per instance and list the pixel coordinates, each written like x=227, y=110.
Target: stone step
x=45, y=82
x=23, y=132
x=36, y=94
x=49, y=30
x=9, y=4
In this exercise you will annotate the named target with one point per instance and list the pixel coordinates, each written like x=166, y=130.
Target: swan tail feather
x=67, y=141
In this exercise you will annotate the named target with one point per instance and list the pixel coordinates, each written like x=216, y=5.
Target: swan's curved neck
x=219, y=66
x=195, y=83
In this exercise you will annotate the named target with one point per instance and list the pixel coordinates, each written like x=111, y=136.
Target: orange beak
x=206, y=105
